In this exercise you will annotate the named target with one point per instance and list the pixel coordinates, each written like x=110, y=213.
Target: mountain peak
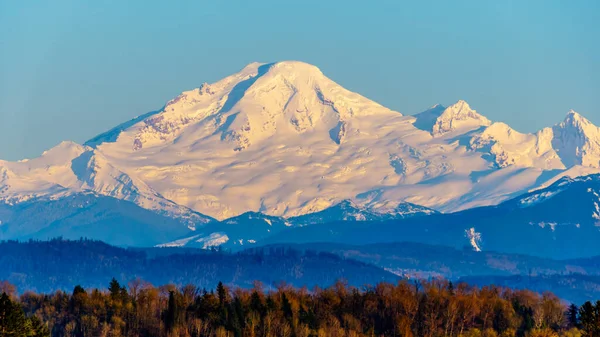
x=297, y=69
x=282, y=63
x=461, y=108
x=296, y=66
x=577, y=141
x=261, y=101
x=458, y=116
x=575, y=119
x=461, y=104
x=578, y=122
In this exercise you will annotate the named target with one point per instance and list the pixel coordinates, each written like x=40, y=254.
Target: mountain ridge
x=559, y=221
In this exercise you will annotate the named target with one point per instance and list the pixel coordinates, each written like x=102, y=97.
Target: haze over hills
x=285, y=140
x=57, y=264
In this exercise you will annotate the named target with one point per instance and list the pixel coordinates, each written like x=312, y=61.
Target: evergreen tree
x=172, y=314
x=270, y=303
x=573, y=316
x=587, y=319
x=12, y=318
x=256, y=303
x=78, y=290
x=115, y=289
x=237, y=323
x=286, y=307
x=221, y=293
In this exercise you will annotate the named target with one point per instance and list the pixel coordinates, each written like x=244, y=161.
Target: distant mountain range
x=251, y=228
x=559, y=221
x=276, y=148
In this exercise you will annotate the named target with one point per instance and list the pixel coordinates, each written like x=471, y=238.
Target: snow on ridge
x=546, y=192
x=213, y=240
x=538, y=198
x=178, y=243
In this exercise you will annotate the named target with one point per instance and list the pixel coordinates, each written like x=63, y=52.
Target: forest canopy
x=406, y=308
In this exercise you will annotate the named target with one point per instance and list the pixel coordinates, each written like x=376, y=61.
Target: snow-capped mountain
x=285, y=140
x=574, y=141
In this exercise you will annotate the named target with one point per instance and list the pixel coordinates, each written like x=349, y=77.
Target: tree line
x=407, y=308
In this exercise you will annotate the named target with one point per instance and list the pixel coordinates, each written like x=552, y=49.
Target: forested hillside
x=46, y=266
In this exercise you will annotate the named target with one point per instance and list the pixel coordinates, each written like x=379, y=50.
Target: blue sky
x=72, y=69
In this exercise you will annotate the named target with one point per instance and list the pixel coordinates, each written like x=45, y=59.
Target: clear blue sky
x=72, y=69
